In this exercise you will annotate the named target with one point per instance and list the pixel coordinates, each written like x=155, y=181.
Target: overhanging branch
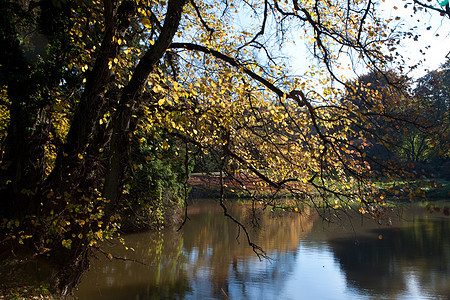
x=296, y=95
x=230, y=60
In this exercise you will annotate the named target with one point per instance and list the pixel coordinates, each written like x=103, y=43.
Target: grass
x=428, y=189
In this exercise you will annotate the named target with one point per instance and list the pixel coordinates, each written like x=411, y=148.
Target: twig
x=109, y=256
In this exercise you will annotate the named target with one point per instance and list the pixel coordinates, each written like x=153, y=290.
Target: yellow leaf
x=146, y=23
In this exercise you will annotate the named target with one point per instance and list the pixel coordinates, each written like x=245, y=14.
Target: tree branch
x=197, y=10
x=441, y=11
x=263, y=26
x=233, y=62
x=123, y=122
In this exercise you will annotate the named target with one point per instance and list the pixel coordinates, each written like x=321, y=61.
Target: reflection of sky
x=309, y=273
x=408, y=263
x=414, y=288
x=316, y=275
x=312, y=272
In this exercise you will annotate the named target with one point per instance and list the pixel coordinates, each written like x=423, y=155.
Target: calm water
x=311, y=259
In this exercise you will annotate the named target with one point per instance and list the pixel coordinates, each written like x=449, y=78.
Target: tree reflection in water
x=414, y=257
x=220, y=261
x=311, y=259
x=158, y=274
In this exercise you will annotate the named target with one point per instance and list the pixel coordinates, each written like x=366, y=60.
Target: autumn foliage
x=97, y=95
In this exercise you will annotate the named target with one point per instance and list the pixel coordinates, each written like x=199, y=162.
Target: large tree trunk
x=77, y=162
x=81, y=140
x=79, y=167
x=130, y=101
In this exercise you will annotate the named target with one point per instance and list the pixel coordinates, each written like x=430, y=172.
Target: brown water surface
x=210, y=259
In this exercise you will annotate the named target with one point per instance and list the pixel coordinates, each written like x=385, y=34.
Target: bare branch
x=199, y=14
x=263, y=26
x=361, y=24
x=441, y=11
x=256, y=249
x=109, y=256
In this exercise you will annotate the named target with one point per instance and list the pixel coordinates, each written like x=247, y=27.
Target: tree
x=81, y=77
x=419, y=137
x=383, y=137
x=432, y=101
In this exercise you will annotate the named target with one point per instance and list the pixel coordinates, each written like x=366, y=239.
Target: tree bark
x=84, y=126
x=123, y=123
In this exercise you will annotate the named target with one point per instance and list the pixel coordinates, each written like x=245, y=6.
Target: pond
x=310, y=259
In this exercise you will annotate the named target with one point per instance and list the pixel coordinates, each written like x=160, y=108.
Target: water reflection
x=159, y=274
x=206, y=260
x=222, y=265
x=411, y=261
